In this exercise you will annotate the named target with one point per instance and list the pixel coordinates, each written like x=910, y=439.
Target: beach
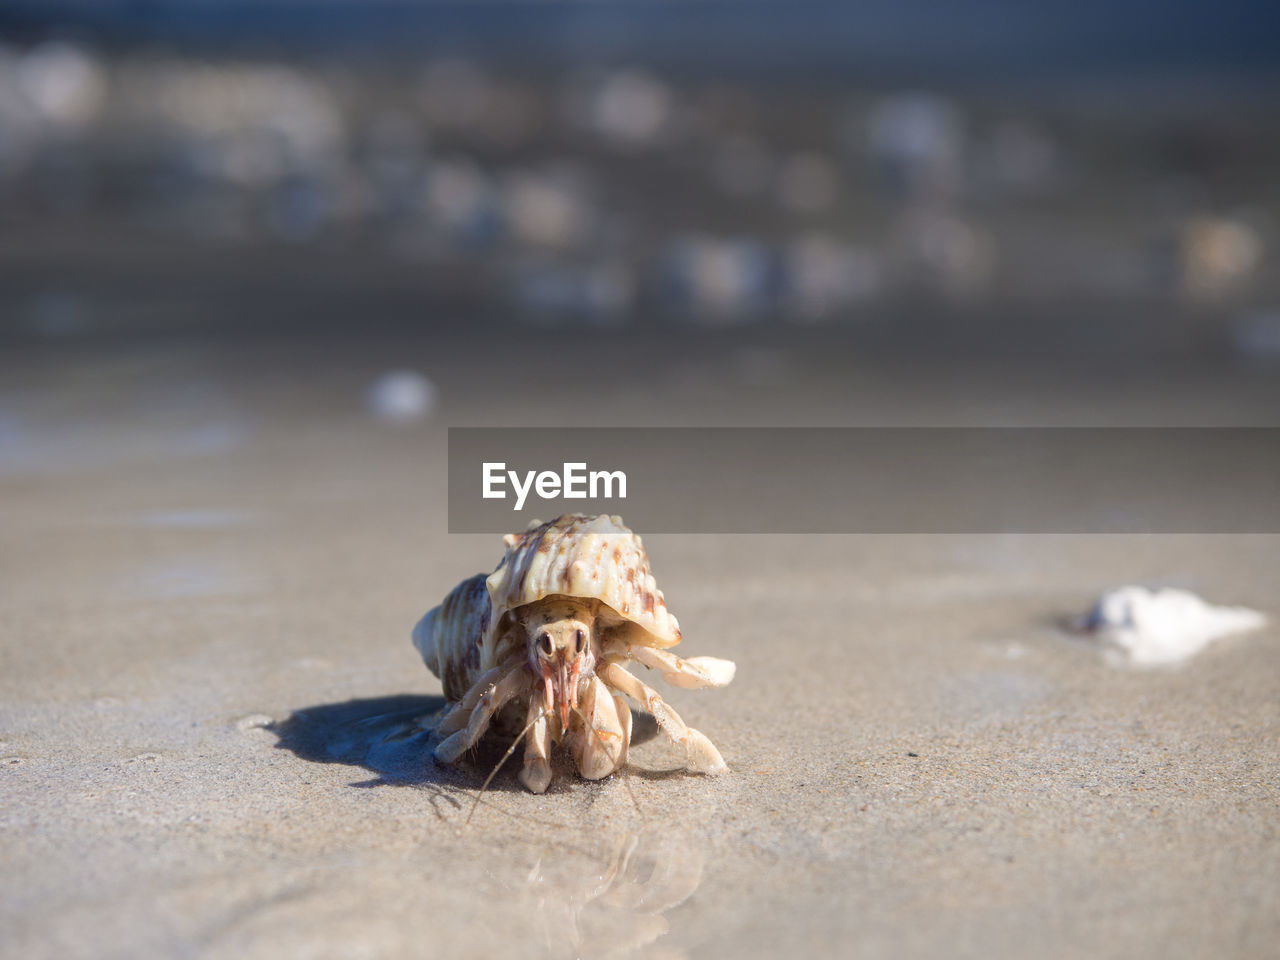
x=216, y=734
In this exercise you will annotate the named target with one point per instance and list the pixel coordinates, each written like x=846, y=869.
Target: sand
x=214, y=729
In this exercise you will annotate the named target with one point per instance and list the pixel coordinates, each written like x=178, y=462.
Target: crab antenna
x=564, y=696
x=494, y=772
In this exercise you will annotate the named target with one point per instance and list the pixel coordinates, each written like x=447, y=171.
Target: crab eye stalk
x=544, y=644
x=580, y=641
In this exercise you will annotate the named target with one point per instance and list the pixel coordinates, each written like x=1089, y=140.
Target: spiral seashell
x=595, y=558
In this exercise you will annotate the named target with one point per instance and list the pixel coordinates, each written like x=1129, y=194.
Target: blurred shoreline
x=151, y=193
x=932, y=41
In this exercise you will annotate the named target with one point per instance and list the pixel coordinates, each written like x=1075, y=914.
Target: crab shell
x=591, y=558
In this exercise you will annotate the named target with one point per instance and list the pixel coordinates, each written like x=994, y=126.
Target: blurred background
x=978, y=177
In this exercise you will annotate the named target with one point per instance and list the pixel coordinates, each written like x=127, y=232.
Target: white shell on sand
x=1164, y=626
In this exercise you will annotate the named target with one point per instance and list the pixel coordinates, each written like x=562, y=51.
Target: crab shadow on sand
x=392, y=737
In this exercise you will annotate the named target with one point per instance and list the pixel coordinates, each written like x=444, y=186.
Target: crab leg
x=691, y=673
x=536, y=773
x=599, y=744
x=460, y=712
x=455, y=745
x=701, y=756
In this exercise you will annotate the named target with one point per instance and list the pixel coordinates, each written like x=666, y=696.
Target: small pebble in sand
x=254, y=721
x=401, y=396
x=1164, y=626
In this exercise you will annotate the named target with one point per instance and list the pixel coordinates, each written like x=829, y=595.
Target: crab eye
x=581, y=639
x=544, y=644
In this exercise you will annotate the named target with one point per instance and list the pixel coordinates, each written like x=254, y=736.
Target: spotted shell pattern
x=596, y=558
x=590, y=557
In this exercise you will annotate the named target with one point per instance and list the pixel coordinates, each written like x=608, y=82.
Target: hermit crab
x=542, y=643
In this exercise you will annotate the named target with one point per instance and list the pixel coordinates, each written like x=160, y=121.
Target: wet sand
x=215, y=729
